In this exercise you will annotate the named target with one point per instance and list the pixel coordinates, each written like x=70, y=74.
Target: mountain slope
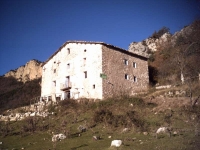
x=15, y=94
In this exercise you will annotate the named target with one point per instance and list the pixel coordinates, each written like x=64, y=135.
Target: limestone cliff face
x=31, y=70
x=153, y=44
x=139, y=48
x=150, y=44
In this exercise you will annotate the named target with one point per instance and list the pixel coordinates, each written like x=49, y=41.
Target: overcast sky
x=35, y=29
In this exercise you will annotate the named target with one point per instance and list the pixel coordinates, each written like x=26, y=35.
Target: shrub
x=135, y=120
x=160, y=32
x=68, y=103
x=103, y=115
x=136, y=101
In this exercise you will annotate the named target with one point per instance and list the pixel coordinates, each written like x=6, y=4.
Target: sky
x=35, y=29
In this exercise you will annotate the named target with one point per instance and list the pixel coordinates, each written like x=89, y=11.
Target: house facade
x=80, y=69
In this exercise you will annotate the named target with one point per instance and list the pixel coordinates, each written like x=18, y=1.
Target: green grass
x=38, y=141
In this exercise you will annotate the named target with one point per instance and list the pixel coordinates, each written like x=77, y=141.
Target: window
x=85, y=74
x=68, y=51
x=135, y=79
x=85, y=50
x=58, y=63
x=125, y=61
x=126, y=76
x=134, y=65
x=54, y=71
x=67, y=81
x=93, y=86
x=54, y=83
x=84, y=61
x=68, y=66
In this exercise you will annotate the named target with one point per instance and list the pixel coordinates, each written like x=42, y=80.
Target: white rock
x=163, y=130
x=125, y=130
x=116, y=143
x=58, y=137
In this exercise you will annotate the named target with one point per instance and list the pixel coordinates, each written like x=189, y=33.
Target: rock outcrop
x=153, y=44
x=148, y=45
x=31, y=70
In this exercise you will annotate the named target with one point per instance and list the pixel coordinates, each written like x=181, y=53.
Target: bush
x=136, y=101
x=103, y=115
x=68, y=103
x=157, y=35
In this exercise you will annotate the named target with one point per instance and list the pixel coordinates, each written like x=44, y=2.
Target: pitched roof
x=92, y=42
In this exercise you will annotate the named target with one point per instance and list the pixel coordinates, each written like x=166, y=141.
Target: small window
x=135, y=79
x=134, y=65
x=54, y=71
x=68, y=51
x=58, y=63
x=93, y=86
x=125, y=61
x=54, y=83
x=68, y=66
x=85, y=50
x=85, y=74
x=84, y=61
x=126, y=77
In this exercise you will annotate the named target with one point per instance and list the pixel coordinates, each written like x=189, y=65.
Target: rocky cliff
x=153, y=44
x=150, y=44
x=31, y=70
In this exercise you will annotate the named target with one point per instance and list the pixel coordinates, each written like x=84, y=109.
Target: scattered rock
x=164, y=130
x=125, y=130
x=58, y=137
x=96, y=137
x=82, y=128
x=116, y=143
x=145, y=133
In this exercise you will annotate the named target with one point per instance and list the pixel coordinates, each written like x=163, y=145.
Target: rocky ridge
x=152, y=44
x=31, y=70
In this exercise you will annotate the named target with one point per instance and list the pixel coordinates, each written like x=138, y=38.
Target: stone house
x=80, y=69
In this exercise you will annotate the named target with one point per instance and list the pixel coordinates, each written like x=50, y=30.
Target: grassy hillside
x=14, y=94
x=104, y=119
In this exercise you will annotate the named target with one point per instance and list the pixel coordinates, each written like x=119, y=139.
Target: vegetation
x=104, y=119
x=159, y=33
x=15, y=94
x=179, y=60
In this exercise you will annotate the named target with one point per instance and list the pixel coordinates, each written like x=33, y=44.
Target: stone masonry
x=127, y=73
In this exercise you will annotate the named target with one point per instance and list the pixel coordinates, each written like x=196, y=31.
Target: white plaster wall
x=81, y=85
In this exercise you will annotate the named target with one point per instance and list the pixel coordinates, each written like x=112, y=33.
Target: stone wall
x=115, y=69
